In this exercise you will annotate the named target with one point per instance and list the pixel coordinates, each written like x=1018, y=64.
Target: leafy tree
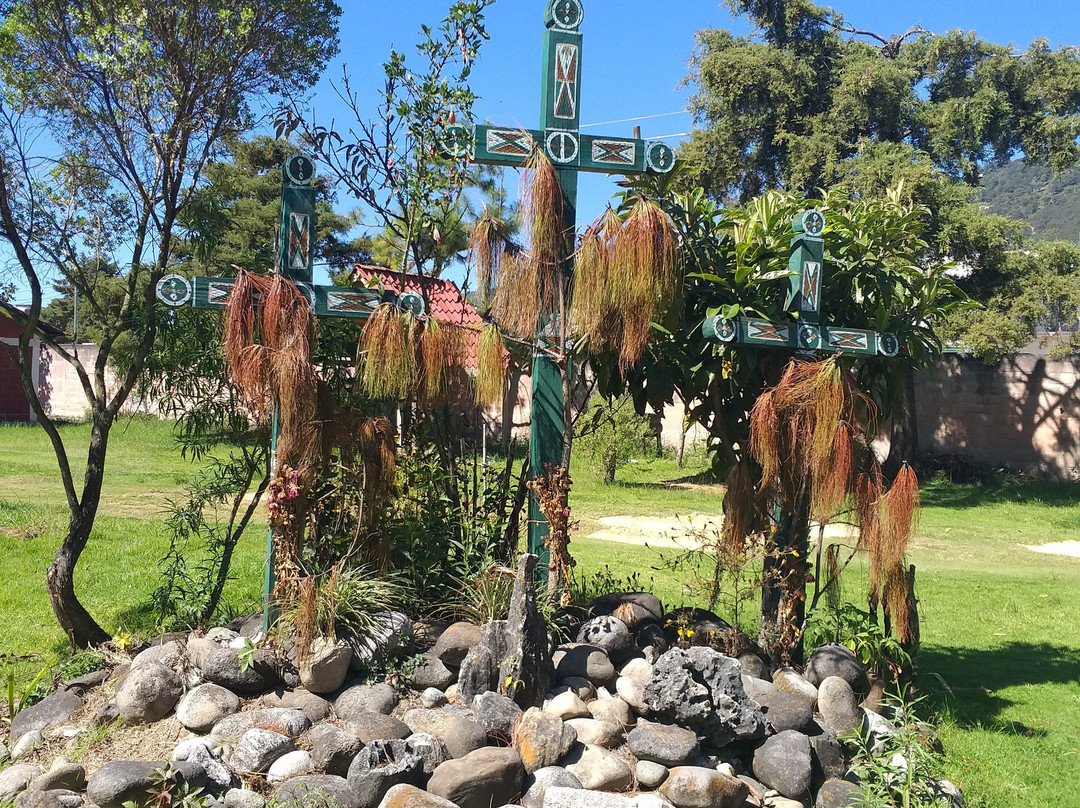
x=137, y=97
x=613, y=433
x=393, y=163
x=736, y=263
x=809, y=102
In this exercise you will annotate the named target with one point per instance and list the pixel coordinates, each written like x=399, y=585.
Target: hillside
x=1051, y=205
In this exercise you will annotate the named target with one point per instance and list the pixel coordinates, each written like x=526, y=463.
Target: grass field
x=1000, y=623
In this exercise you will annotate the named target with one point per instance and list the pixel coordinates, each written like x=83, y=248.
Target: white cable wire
x=640, y=118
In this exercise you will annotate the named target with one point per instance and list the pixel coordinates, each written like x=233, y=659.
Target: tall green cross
x=807, y=334
x=571, y=152
x=295, y=261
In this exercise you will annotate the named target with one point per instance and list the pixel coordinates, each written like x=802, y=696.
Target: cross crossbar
x=807, y=334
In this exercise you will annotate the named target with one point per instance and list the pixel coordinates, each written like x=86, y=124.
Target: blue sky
x=635, y=56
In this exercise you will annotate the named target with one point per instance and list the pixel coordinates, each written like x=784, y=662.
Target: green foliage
x=448, y=522
x=736, y=263
x=35, y=690
x=358, y=596
x=862, y=633
x=612, y=432
x=901, y=770
x=393, y=164
x=1048, y=202
x=168, y=790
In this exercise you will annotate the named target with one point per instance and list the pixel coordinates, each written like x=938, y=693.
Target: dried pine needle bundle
x=542, y=207
x=435, y=360
x=493, y=359
x=489, y=243
x=389, y=355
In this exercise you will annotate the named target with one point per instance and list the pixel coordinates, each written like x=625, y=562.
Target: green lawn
x=1000, y=624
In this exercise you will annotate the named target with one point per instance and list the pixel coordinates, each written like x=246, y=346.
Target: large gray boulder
x=838, y=660
x=380, y=766
x=495, y=712
x=203, y=753
x=286, y=721
x=391, y=633
x=826, y=754
x=785, y=711
x=460, y=735
x=783, y=763
x=593, y=732
x=611, y=634
x=221, y=666
x=664, y=744
x=370, y=727
x=479, y=671
x=379, y=698
x=128, y=780
x=51, y=711
x=332, y=749
x=454, y=643
x=149, y=693
x=839, y=706
x=324, y=668
x=53, y=798
x=62, y=775
x=633, y=608
x=407, y=796
x=698, y=787
x=258, y=749
x=542, y=739
x=431, y=672
x=316, y=708
x=316, y=791
x=16, y=778
x=702, y=690
x=204, y=706
x=584, y=661
x=526, y=662
x=598, y=769
x=481, y=779
x=536, y=785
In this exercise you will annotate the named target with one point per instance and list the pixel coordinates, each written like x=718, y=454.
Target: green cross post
x=571, y=152
x=806, y=336
x=295, y=261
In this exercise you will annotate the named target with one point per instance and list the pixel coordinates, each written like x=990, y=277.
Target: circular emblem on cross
x=412, y=302
x=300, y=169
x=458, y=140
x=174, y=290
x=564, y=14
x=809, y=337
x=888, y=344
x=659, y=158
x=562, y=147
x=813, y=222
x=724, y=329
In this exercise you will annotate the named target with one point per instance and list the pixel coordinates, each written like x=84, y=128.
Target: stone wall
x=1022, y=413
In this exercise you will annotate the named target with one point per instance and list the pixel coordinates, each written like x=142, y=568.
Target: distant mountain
x=1049, y=204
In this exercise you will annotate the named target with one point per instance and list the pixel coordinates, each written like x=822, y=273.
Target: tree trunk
x=611, y=457
x=81, y=628
x=783, y=590
x=904, y=430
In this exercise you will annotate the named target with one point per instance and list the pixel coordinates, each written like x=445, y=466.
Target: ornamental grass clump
x=492, y=362
x=808, y=436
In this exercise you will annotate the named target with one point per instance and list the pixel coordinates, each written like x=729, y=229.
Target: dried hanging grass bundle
x=593, y=300
x=740, y=507
x=435, y=359
x=389, y=368
x=287, y=322
x=542, y=208
x=899, y=516
x=247, y=360
x=832, y=479
x=521, y=295
x=764, y=430
x=378, y=449
x=648, y=257
x=304, y=616
x=492, y=362
x=489, y=242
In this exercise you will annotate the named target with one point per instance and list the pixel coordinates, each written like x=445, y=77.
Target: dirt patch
x=1065, y=548
x=668, y=532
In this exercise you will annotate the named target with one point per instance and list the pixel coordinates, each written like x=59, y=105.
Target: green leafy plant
x=612, y=433
x=246, y=655
x=167, y=790
x=36, y=689
x=899, y=770
x=857, y=629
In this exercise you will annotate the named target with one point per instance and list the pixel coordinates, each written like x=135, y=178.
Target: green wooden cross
x=808, y=334
x=571, y=152
x=295, y=261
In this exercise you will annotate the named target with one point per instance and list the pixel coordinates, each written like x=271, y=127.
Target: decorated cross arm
x=295, y=261
x=808, y=333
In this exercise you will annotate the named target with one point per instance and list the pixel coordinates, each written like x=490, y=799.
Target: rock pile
x=617, y=719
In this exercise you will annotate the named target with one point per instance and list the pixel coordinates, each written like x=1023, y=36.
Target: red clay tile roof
x=447, y=303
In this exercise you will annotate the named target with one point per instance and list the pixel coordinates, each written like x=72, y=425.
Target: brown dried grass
x=389, y=355
x=521, y=296
x=436, y=356
x=740, y=508
x=489, y=242
x=247, y=361
x=493, y=359
x=542, y=209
